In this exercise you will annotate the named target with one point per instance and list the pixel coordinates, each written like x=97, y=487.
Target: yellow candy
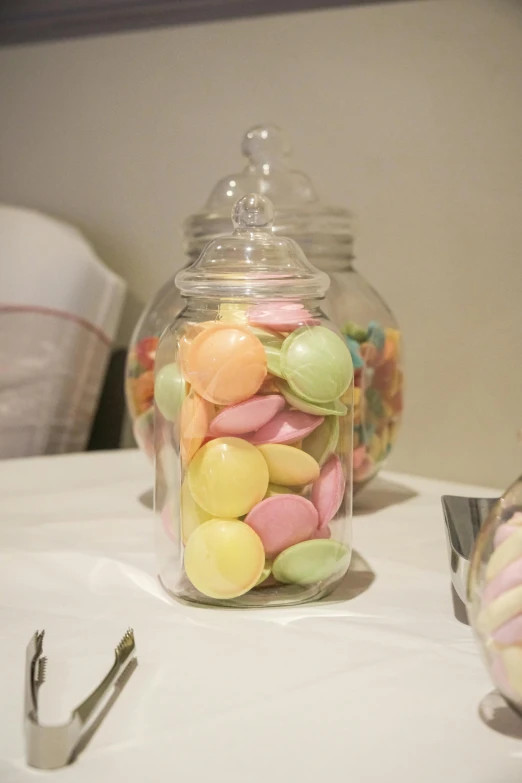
x=289, y=466
x=192, y=515
x=232, y=313
x=228, y=476
x=224, y=558
x=277, y=489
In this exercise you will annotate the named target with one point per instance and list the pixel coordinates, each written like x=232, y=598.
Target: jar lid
x=319, y=229
x=253, y=262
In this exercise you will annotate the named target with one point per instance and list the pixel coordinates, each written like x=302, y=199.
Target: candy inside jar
x=254, y=419
x=495, y=594
x=324, y=232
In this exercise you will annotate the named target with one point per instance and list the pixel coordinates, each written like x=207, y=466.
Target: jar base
x=260, y=597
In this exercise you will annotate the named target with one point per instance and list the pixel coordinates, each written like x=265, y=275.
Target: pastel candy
x=246, y=416
x=288, y=466
x=230, y=312
x=316, y=364
x=282, y=521
x=288, y=426
x=278, y=489
x=359, y=455
x=265, y=573
x=311, y=561
x=281, y=316
x=267, y=336
x=499, y=611
x=272, y=342
x=328, y=490
x=169, y=391
x=355, y=353
x=225, y=363
x=196, y=414
x=191, y=332
x=373, y=398
x=228, y=476
x=322, y=532
x=370, y=354
x=335, y=408
x=273, y=360
x=510, y=632
x=506, y=553
x=192, y=515
x=376, y=335
x=323, y=441
x=503, y=532
x=355, y=331
x=224, y=558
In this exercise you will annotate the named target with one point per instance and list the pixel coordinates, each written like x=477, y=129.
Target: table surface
x=378, y=681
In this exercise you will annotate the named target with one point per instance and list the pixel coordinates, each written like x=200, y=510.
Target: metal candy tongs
x=51, y=747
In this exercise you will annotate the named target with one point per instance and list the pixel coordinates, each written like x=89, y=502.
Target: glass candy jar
x=495, y=594
x=324, y=233
x=253, y=426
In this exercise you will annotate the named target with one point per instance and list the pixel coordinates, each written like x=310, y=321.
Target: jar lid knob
x=253, y=212
x=264, y=145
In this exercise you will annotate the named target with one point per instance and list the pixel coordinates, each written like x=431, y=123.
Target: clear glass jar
x=495, y=594
x=324, y=233
x=254, y=422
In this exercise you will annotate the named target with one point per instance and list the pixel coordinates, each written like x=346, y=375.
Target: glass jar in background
x=253, y=421
x=324, y=233
x=495, y=594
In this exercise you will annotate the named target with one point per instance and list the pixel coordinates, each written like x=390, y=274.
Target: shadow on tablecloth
x=496, y=713
x=147, y=499
x=381, y=494
x=357, y=580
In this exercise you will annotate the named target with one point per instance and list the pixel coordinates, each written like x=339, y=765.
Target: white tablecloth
x=379, y=682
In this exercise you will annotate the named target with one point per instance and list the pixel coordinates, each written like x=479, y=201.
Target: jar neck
x=200, y=308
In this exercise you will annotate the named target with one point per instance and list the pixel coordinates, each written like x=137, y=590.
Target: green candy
x=169, y=391
x=323, y=440
x=272, y=344
x=355, y=331
x=278, y=489
x=317, y=364
x=265, y=573
x=273, y=360
x=311, y=562
x=336, y=408
x=267, y=337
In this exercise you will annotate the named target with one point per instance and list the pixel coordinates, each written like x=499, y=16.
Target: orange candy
x=143, y=391
x=196, y=415
x=224, y=363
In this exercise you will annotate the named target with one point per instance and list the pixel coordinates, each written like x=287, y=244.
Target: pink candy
x=507, y=579
x=281, y=316
x=510, y=632
x=328, y=490
x=246, y=416
x=282, y=521
x=288, y=426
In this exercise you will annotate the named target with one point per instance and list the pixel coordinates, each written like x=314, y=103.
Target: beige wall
x=411, y=113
